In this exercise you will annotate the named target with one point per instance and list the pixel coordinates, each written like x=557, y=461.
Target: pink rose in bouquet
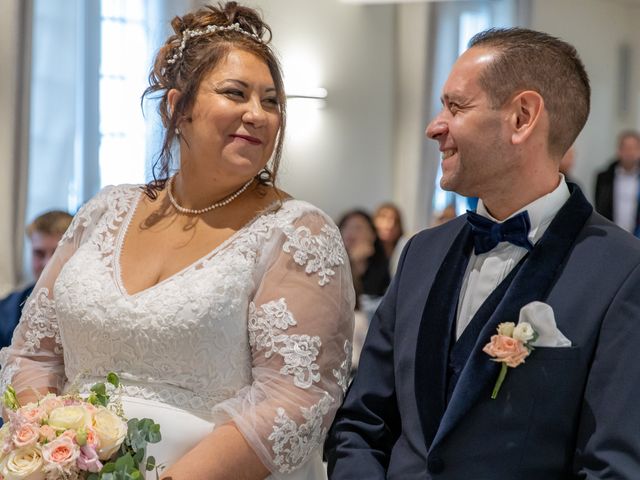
x=26, y=435
x=61, y=454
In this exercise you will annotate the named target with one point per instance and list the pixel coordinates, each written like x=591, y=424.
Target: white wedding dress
x=257, y=332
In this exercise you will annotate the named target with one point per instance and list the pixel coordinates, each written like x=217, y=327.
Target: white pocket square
x=540, y=316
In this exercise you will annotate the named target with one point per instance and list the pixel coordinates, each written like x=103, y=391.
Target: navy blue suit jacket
x=10, y=312
x=566, y=413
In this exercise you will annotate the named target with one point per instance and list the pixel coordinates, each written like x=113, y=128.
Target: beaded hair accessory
x=187, y=34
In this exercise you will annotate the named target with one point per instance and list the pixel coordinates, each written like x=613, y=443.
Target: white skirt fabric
x=182, y=430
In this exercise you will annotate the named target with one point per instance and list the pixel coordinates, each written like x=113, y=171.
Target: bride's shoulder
x=300, y=212
x=109, y=193
x=116, y=199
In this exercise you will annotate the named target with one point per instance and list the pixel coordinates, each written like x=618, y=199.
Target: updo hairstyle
x=200, y=55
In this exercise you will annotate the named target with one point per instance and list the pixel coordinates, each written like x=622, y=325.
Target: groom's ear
x=525, y=113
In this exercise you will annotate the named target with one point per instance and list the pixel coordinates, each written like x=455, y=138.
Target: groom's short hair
x=531, y=60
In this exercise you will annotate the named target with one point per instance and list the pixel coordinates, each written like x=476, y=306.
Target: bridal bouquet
x=73, y=437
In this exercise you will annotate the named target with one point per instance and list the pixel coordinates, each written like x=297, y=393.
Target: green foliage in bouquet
x=132, y=452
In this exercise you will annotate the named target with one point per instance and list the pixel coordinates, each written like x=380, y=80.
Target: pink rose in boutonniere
x=510, y=347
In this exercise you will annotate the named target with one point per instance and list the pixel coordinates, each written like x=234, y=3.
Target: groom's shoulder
x=605, y=236
x=434, y=239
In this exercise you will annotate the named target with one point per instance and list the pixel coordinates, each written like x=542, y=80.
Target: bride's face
x=235, y=118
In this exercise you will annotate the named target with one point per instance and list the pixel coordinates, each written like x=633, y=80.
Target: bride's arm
x=300, y=329
x=223, y=455
x=33, y=363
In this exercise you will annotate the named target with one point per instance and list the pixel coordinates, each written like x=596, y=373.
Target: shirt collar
x=541, y=211
x=623, y=172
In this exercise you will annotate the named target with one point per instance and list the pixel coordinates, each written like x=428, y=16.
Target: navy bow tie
x=487, y=233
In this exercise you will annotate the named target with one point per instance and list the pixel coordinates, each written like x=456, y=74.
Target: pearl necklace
x=213, y=206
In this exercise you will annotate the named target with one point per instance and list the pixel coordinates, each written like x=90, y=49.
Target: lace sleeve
x=33, y=361
x=300, y=330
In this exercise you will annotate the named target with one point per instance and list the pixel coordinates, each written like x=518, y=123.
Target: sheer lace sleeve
x=34, y=360
x=300, y=328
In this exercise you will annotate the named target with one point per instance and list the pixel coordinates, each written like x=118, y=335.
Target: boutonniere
x=511, y=346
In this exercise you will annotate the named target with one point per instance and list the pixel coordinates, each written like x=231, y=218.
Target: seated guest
x=388, y=222
x=369, y=264
x=44, y=234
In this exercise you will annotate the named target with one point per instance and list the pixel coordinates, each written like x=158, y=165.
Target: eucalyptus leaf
x=151, y=463
x=113, y=379
x=99, y=388
x=124, y=462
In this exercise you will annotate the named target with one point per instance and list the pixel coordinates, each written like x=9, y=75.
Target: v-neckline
x=124, y=227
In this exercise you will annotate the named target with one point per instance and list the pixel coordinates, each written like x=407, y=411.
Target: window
x=90, y=63
x=124, y=68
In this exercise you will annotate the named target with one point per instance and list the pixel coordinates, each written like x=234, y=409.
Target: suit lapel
x=532, y=282
x=434, y=335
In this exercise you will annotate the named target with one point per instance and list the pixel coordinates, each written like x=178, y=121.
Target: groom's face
x=471, y=133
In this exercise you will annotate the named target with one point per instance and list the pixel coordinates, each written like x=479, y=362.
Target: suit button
x=435, y=465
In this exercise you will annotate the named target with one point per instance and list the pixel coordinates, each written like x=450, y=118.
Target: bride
x=225, y=306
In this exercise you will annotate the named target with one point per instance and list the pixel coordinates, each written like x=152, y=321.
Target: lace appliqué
x=40, y=315
x=299, y=352
x=342, y=374
x=110, y=206
x=292, y=442
x=319, y=254
x=86, y=215
x=8, y=369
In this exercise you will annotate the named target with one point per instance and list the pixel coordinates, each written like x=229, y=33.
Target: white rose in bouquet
x=110, y=430
x=71, y=417
x=23, y=464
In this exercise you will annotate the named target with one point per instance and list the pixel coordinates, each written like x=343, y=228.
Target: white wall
x=597, y=28
x=415, y=158
x=338, y=157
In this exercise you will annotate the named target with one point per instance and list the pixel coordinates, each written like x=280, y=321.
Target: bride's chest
x=208, y=299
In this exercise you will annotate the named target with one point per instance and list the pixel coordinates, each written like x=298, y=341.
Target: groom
x=420, y=406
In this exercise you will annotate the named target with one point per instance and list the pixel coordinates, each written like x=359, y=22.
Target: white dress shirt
x=625, y=198
x=485, y=271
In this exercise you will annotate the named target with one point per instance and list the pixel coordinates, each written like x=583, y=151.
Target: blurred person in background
x=388, y=222
x=43, y=233
x=369, y=264
x=370, y=270
x=618, y=187
x=442, y=217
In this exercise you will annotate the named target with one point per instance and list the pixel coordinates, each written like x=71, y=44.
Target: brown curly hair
x=200, y=56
